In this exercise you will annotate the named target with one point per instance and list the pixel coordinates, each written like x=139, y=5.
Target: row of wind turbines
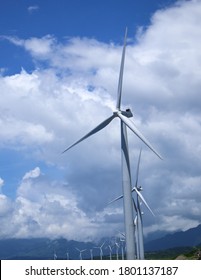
x=110, y=250
x=133, y=225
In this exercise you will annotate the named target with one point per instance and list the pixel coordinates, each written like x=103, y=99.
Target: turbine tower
x=125, y=122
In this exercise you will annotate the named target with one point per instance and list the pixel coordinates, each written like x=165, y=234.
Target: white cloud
x=1, y=183
x=32, y=174
x=73, y=91
x=47, y=209
x=33, y=8
x=39, y=47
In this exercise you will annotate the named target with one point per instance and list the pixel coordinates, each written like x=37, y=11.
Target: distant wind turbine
x=122, y=240
x=125, y=121
x=80, y=251
x=67, y=256
x=55, y=256
x=91, y=254
x=110, y=248
x=117, y=250
x=101, y=250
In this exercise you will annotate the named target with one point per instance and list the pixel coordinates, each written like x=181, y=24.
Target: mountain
x=45, y=249
x=188, y=238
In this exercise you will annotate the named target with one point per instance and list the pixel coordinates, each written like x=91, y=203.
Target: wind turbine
x=117, y=249
x=55, y=256
x=138, y=224
x=91, y=254
x=101, y=250
x=81, y=251
x=67, y=255
x=125, y=122
x=122, y=240
x=110, y=248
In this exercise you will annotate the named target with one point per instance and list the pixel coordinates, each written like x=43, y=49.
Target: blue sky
x=99, y=19
x=59, y=67
x=102, y=20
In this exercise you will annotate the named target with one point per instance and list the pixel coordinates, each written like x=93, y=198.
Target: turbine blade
x=118, y=198
x=143, y=200
x=134, y=205
x=93, y=131
x=138, y=167
x=135, y=221
x=121, y=233
x=132, y=127
x=119, y=91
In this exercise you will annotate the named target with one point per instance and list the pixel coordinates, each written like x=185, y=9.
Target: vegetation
x=179, y=253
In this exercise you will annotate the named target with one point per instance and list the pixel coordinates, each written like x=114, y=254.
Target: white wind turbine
x=139, y=222
x=80, y=251
x=67, y=255
x=91, y=254
x=101, y=250
x=110, y=249
x=122, y=240
x=138, y=225
x=117, y=250
x=55, y=256
x=125, y=121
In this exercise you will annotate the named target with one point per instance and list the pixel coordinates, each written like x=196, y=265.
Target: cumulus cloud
x=73, y=89
x=44, y=208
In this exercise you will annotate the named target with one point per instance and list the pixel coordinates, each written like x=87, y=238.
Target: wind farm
x=70, y=72
x=125, y=122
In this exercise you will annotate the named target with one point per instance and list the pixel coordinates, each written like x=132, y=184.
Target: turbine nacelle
x=127, y=113
x=139, y=188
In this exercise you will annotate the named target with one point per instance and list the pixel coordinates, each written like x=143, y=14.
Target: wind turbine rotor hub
x=127, y=113
x=115, y=113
